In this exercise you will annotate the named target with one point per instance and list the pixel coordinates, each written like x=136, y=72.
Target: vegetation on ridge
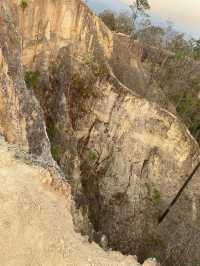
x=172, y=60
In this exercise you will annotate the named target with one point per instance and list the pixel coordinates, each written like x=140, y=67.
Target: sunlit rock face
x=111, y=130
x=21, y=119
x=36, y=223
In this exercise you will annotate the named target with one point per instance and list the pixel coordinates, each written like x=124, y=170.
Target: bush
x=56, y=152
x=156, y=194
x=108, y=18
x=92, y=156
x=121, y=22
x=24, y=4
x=31, y=79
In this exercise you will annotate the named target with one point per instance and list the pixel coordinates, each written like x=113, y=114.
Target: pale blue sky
x=184, y=13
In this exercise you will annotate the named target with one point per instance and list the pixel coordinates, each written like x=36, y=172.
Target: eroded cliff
x=36, y=226
x=112, y=131
x=21, y=119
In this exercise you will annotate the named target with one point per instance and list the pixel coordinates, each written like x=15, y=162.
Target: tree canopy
x=174, y=64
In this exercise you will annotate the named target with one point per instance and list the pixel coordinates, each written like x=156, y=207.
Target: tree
x=150, y=34
x=179, y=45
x=138, y=10
x=108, y=17
x=120, y=22
x=123, y=22
x=195, y=49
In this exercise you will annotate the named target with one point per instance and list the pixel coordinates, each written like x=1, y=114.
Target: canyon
x=78, y=108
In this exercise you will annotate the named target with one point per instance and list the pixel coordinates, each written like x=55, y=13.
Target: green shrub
x=31, y=78
x=56, y=152
x=98, y=69
x=156, y=194
x=185, y=104
x=24, y=4
x=108, y=17
x=51, y=131
x=188, y=108
x=92, y=156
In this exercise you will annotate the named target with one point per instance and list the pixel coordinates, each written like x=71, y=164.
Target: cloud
x=184, y=13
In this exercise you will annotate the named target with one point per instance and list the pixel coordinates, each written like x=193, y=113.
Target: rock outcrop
x=36, y=226
x=112, y=131
x=21, y=119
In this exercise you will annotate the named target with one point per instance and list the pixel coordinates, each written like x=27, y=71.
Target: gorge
x=77, y=107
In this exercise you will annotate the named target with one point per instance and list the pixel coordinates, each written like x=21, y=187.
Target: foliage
x=189, y=107
x=195, y=49
x=92, y=156
x=173, y=60
x=31, y=78
x=142, y=4
x=150, y=34
x=98, y=69
x=108, y=17
x=24, y=4
x=124, y=22
x=51, y=131
x=121, y=22
x=138, y=8
x=156, y=194
x=56, y=152
x=179, y=46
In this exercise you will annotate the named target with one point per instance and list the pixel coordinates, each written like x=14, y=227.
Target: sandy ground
x=36, y=225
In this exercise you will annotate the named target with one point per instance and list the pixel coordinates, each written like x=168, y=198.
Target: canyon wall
x=21, y=119
x=112, y=131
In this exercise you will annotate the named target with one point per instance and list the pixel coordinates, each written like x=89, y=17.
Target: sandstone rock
x=116, y=137
x=35, y=222
x=21, y=119
x=151, y=262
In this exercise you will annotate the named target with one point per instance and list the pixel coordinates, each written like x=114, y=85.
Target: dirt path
x=35, y=223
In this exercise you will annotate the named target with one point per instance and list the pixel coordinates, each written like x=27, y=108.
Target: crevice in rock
x=92, y=209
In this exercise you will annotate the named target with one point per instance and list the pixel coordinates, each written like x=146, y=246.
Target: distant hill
x=100, y=5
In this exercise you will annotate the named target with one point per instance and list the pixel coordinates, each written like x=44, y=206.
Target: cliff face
x=57, y=26
x=111, y=129
x=36, y=224
x=21, y=119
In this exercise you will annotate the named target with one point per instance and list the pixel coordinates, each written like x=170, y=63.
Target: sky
x=185, y=14
x=99, y=5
